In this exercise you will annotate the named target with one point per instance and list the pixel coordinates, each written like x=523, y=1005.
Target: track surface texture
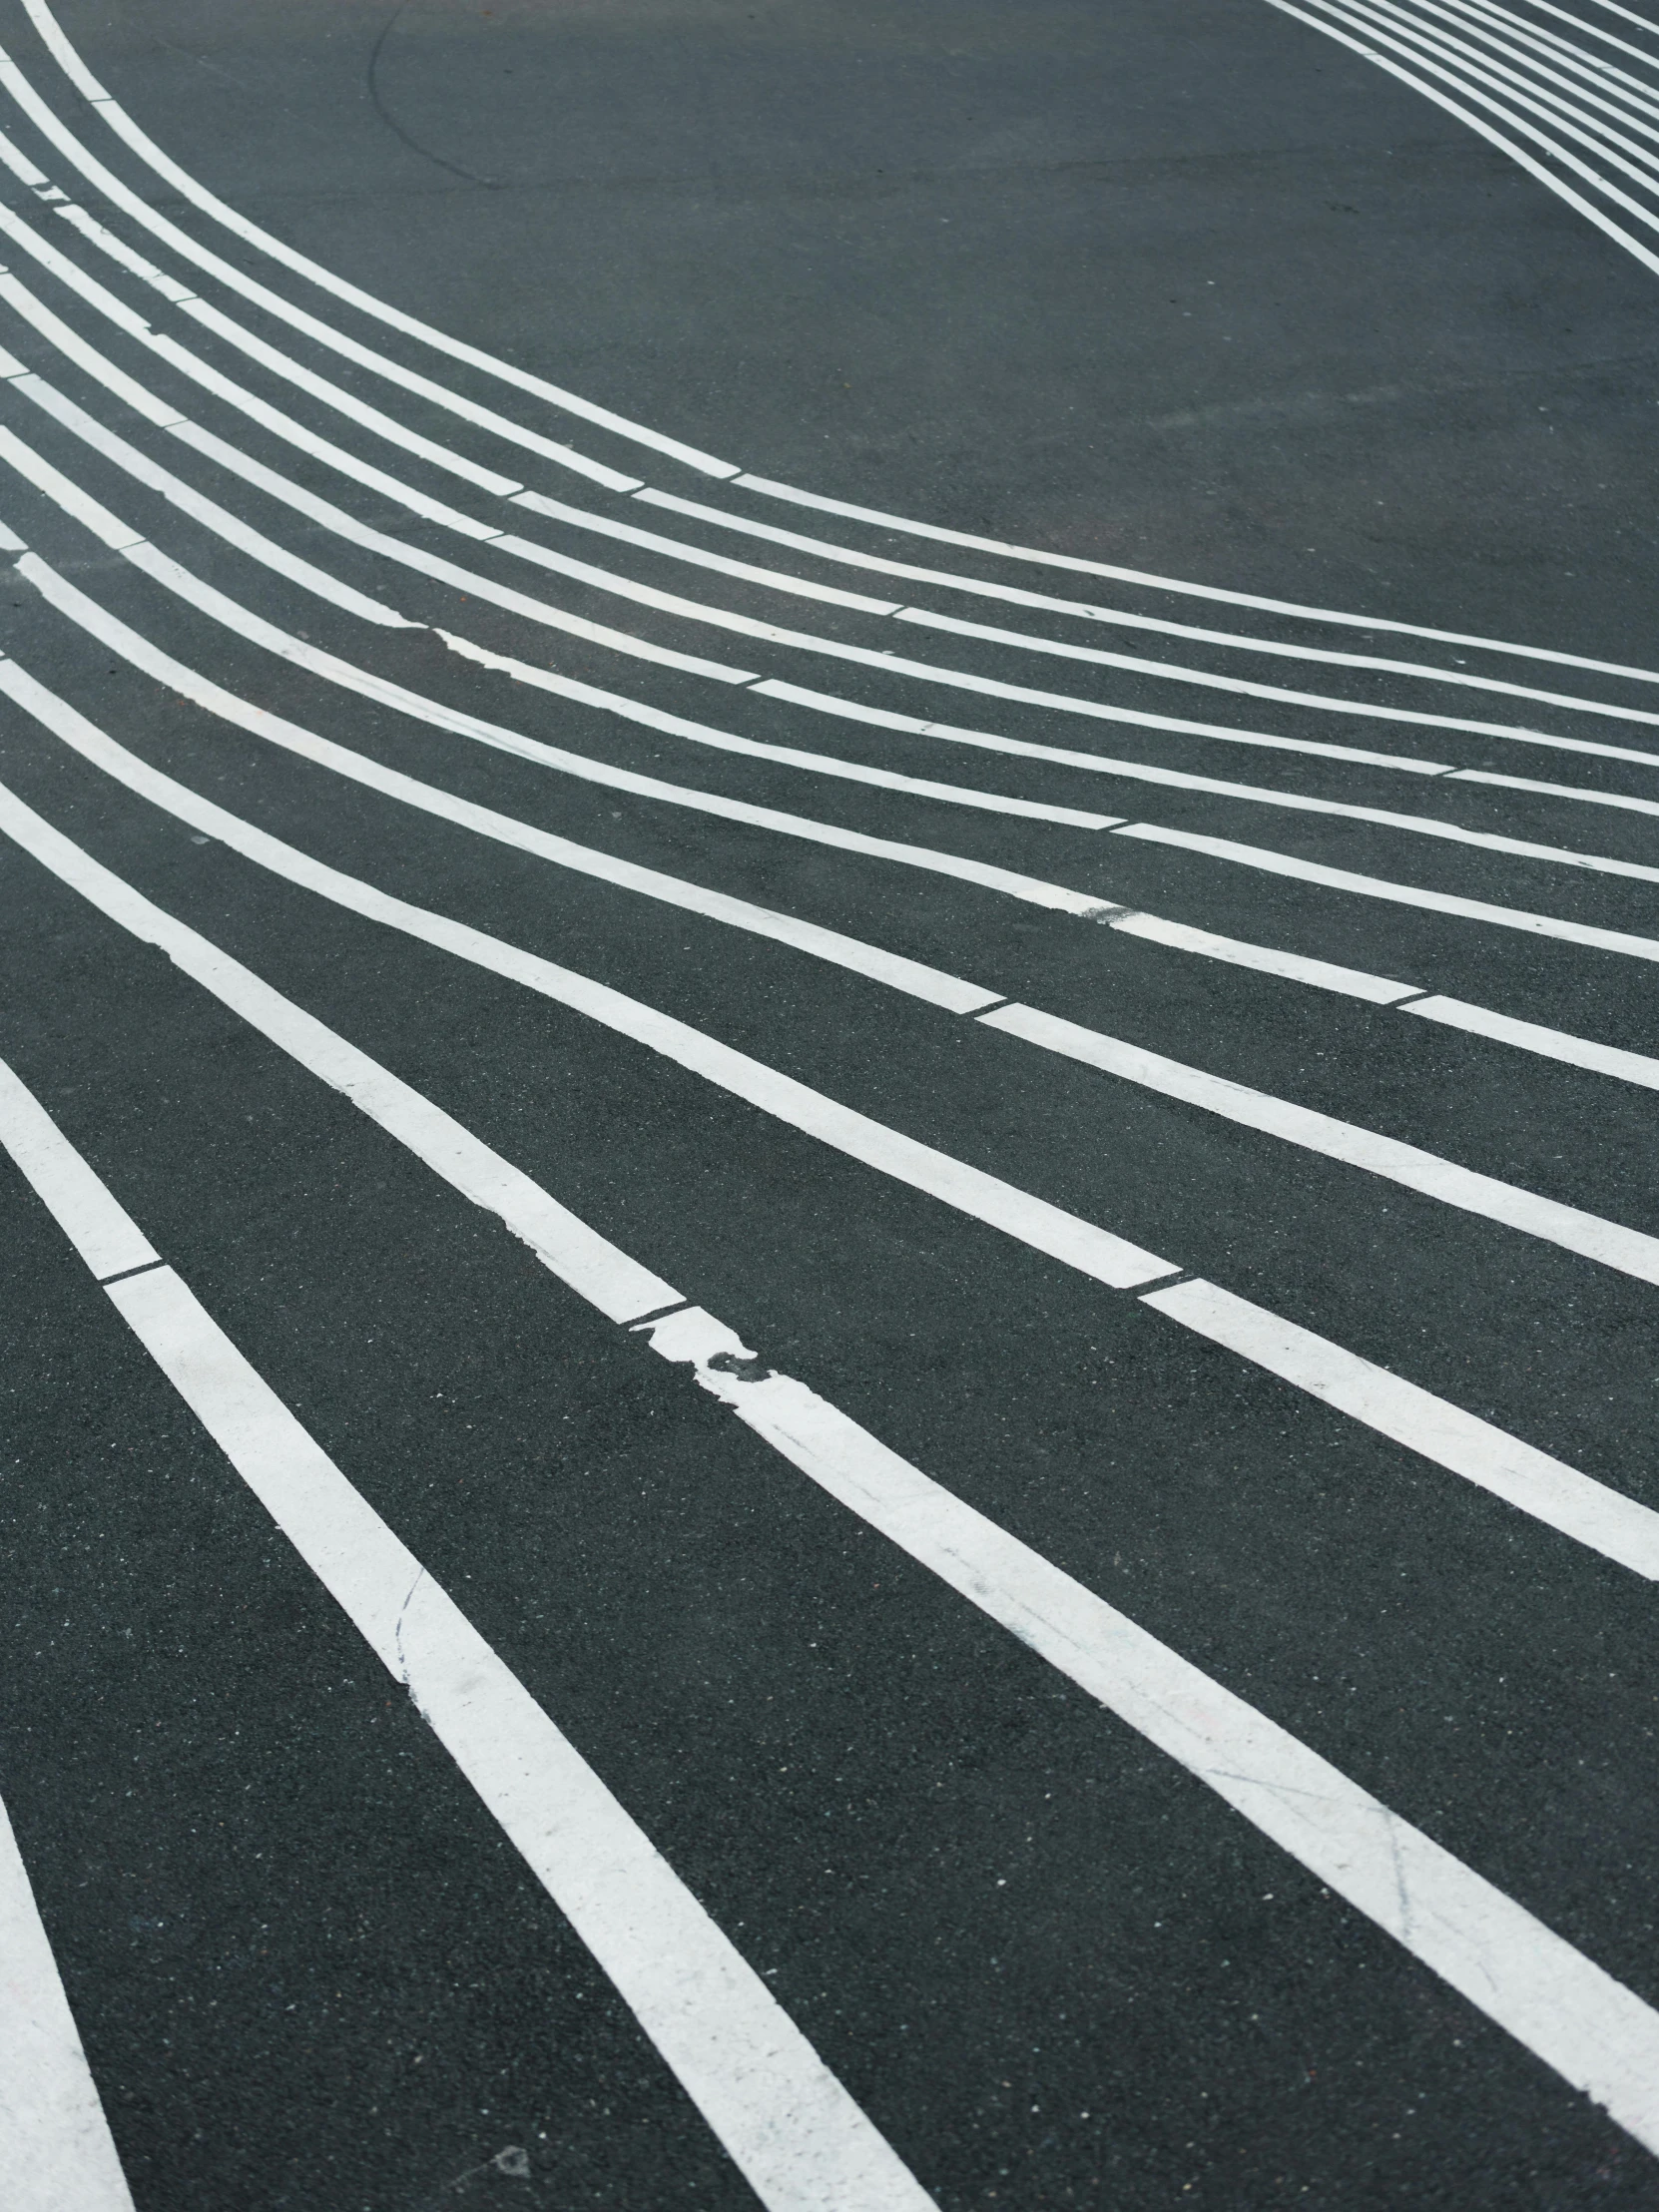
x=829, y=840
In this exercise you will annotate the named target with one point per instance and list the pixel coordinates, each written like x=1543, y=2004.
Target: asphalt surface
x=1199, y=292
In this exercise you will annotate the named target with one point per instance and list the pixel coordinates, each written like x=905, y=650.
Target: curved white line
x=251, y=233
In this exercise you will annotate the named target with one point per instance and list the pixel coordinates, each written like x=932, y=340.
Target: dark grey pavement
x=1195, y=292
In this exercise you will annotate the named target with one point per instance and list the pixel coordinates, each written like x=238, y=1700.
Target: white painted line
x=56, y=2152
x=1264, y=960
x=966, y=1190
x=465, y=580
x=348, y=405
x=1179, y=936
x=1324, y=656
x=1074, y=564
x=579, y=518
x=1623, y=800
x=147, y=150
x=386, y=426
x=57, y=131
x=1581, y=60
x=1470, y=67
x=850, y=710
x=1530, y=1481
x=343, y=525
x=324, y=449
x=911, y=976
x=169, y=573
x=782, y=2116
x=1294, y=967
x=1400, y=895
x=1491, y=1950
x=1532, y=1036
x=1586, y=1234
x=1476, y=49
x=1142, y=771
x=594, y=1269
x=788, y=756
x=1611, y=1244
x=107, y=1238
x=85, y=358
x=251, y=233
x=207, y=512
x=1623, y=1530
x=1207, y=679
x=119, y=251
x=1588, y=77
x=1596, y=2034
x=1533, y=167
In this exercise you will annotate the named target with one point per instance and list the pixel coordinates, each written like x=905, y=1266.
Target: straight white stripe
x=1501, y=1960
x=56, y=2151
x=1532, y=1036
x=594, y=1269
x=1530, y=1481
x=912, y=976
x=251, y=233
x=52, y=127
x=967, y=1190
x=1294, y=967
x=784, y=2118
x=1562, y=2006
x=1611, y=1243
x=107, y=1238
x=1400, y=895
x=1621, y=799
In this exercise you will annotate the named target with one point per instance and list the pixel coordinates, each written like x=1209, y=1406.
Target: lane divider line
x=1404, y=1164
x=782, y=2118
x=1501, y=1958
x=56, y=2149
x=1570, y=1501
x=251, y=233
x=1561, y=1045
